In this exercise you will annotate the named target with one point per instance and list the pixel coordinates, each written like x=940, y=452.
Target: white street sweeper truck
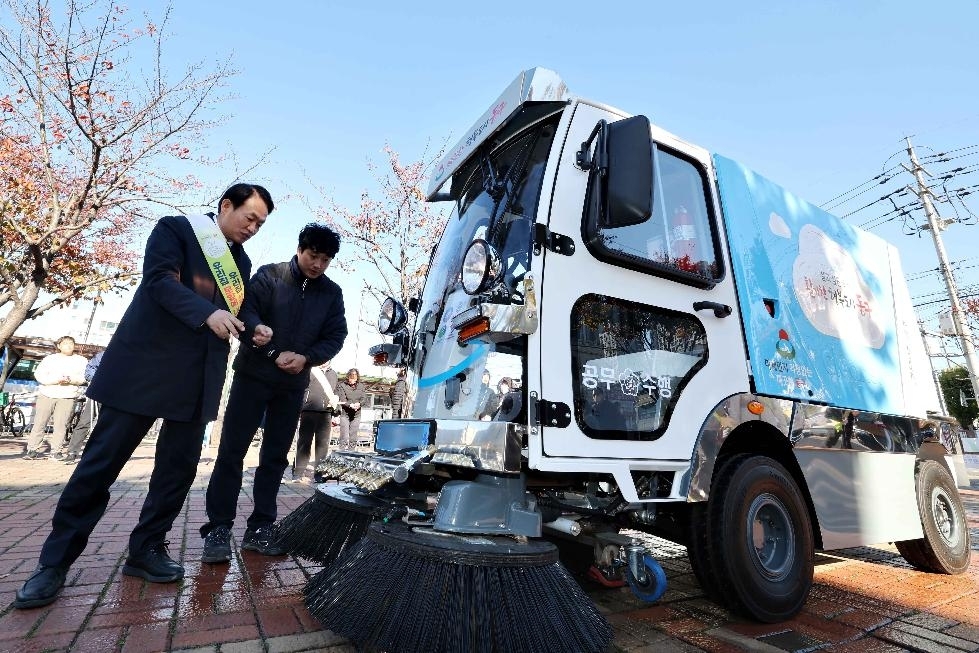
x=685, y=348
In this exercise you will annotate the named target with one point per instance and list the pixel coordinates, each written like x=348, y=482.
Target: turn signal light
x=473, y=329
x=755, y=407
x=381, y=358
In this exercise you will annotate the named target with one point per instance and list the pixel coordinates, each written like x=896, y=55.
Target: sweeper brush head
x=335, y=517
x=403, y=590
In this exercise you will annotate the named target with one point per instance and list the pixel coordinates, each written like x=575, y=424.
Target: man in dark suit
x=166, y=360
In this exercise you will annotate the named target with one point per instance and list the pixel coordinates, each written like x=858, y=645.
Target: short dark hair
x=239, y=193
x=57, y=343
x=319, y=238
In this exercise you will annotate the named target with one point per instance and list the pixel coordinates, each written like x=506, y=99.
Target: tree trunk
x=18, y=314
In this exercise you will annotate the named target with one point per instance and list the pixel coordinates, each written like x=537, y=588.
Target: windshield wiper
x=493, y=185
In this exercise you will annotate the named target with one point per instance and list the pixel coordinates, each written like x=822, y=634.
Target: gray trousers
x=43, y=409
x=348, y=429
x=86, y=419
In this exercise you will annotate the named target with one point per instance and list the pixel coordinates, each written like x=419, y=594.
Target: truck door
x=639, y=332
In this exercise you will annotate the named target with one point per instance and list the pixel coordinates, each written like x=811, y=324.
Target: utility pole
x=935, y=225
x=935, y=375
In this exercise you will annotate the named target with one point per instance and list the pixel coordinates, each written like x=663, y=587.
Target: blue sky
x=814, y=95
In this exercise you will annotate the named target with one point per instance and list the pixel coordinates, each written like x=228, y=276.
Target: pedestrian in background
x=303, y=309
x=352, y=395
x=86, y=418
x=167, y=359
x=399, y=394
x=60, y=377
x=315, y=420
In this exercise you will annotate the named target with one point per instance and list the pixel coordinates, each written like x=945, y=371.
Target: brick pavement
x=865, y=599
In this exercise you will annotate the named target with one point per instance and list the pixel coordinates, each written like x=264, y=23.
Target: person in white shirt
x=60, y=377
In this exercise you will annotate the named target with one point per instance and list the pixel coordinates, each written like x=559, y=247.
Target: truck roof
x=534, y=85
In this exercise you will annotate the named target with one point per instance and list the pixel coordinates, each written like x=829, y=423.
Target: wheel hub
x=771, y=537
x=944, y=513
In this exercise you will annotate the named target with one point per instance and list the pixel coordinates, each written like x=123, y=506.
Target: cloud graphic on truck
x=832, y=292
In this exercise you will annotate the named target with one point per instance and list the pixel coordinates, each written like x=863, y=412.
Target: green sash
x=214, y=246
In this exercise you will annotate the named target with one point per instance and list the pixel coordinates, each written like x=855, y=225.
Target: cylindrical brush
x=335, y=517
x=405, y=590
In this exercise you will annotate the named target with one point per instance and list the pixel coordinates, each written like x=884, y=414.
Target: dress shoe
x=263, y=540
x=217, y=545
x=42, y=588
x=154, y=564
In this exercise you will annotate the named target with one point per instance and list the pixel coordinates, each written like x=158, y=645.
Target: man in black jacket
x=304, y=311
x=166, y=360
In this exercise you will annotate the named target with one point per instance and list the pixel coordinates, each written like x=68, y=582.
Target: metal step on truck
x=700, y=355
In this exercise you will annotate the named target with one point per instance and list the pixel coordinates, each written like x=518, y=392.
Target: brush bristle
x=328, y=522
x=401, y=590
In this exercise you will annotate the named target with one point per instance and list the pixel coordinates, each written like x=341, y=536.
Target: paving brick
x=53, y=643
x=99, y=639
x=251, y=646
x=147, y=638
x=196, y=638
x=922, y=639
x=317, y=641
x=279, y=621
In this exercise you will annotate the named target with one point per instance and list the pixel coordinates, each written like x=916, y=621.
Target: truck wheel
x=698, y=551
x=761, y=539
x=945, y=548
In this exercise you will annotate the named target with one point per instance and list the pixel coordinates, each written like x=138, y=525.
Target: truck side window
x=679, y=240
x=630, y=363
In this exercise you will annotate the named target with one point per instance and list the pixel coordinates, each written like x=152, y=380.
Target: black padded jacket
x=306, y=317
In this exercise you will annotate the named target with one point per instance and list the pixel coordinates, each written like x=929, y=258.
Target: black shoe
x=217, y=545
x=42, y=588
x=154, y=564
x=263, y=540
x=34, y=455
x=70, y=459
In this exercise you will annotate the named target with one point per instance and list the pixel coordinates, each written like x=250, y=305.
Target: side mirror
x=629, y=176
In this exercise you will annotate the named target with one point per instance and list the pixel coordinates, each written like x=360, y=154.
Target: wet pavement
x=865, y=599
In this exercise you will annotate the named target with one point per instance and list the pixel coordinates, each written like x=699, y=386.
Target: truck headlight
x=481, y=267
x=392, y=317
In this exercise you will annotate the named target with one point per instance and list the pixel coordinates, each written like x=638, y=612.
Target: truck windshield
x=499, y=189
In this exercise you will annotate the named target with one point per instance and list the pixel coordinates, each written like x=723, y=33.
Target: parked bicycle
x=11, y=416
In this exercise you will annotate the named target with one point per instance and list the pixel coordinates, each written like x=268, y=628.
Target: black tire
x=16, y=422
x=945, y=548
x=72, y=425
x=761, y=539
x=698, y=550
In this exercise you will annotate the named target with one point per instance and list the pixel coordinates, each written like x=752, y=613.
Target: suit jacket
x=163, y=361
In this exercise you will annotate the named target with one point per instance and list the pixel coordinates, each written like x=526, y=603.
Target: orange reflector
x=381, y=358
x=473, y=329
x=756, y=407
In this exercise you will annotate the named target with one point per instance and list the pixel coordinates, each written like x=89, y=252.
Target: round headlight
x=481, y=268
x=392, y=317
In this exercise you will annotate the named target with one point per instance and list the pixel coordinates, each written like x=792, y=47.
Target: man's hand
x=290, y=362
x=263, y=335
x=224, y=324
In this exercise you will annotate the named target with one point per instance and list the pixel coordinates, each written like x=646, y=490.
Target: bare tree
x=393, y=231
x=90, y=122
